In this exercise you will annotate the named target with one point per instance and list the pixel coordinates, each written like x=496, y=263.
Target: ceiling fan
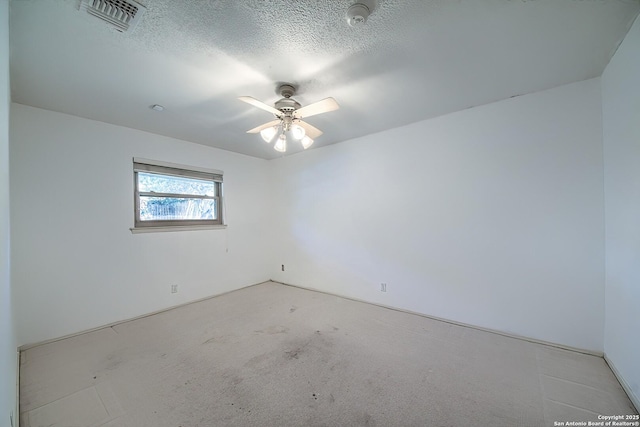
x=289, y=114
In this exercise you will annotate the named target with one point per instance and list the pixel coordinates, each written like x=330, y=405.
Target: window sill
x=176, y=228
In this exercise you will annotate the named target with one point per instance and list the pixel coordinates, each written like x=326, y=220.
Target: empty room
x=319, y=213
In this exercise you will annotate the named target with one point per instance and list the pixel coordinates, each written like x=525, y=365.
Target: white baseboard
x=453, y=322
x=16, y=411
x=632, y=397
x=119, y=322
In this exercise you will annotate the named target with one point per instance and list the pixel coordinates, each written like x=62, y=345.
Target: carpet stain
x=318, y=346
x=112, y=362
x=222, y=339
x=367, y=420
x=272, y=330
x=294, y=354
x=299, y=349
x=231, y=377
x=293, y=308
x=256, y=360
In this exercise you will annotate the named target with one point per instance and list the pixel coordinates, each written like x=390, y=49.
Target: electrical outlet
x=174, y=289
x=282, y=267
x=383, y=287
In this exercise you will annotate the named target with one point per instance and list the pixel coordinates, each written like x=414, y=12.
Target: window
x=169, y=195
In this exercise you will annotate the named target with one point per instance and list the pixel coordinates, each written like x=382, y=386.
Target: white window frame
x=173, y=169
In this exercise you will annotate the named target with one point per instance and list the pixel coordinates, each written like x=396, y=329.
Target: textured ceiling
x=412, y=60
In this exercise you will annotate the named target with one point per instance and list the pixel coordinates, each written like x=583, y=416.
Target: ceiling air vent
x=122, y=14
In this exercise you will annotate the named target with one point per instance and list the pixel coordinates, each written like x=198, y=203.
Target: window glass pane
x=166, y=208
x=148, y=182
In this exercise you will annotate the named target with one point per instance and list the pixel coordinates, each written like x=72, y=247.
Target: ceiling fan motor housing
x=289, y=116
x=286, y=90
x=287, y=105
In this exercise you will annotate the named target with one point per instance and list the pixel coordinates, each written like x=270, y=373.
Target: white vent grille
x=122, y=14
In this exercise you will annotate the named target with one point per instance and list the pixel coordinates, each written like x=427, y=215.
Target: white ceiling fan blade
x=264, y=126
x=311, y=131
x=324, y=106
x=259, y=104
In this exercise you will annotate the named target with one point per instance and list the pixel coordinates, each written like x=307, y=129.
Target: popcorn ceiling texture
x=259, y=29
x=277, y=35
x=412, y=60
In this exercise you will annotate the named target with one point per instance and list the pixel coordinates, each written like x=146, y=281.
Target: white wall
x=75, y=263
x=621, y=134
x=7, y=330
x=490, y=216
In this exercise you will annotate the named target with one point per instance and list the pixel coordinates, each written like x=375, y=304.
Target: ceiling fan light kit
x=268, y=133
x=281, y=143
x=289, y=114
x=306, y=142
x=297, y=131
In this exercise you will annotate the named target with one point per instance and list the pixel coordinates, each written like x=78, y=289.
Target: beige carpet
x=274, y=355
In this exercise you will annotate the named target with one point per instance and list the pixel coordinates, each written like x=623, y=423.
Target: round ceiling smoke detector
x=357, y=14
